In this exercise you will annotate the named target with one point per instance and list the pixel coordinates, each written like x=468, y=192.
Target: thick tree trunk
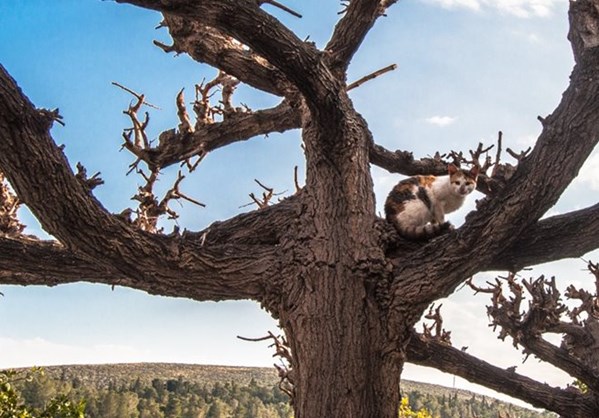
x=340, y=364
x=343, y=364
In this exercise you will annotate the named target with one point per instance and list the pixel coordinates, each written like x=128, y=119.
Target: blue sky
x=467, y=69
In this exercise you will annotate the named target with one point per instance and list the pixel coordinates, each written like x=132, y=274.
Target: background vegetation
x=190, y=391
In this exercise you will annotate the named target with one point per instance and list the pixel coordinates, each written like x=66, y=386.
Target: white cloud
x=524, y=8
x=534, y=38
x=441, y=120
x=450, y=4
x=40, y=352
x=518, y=8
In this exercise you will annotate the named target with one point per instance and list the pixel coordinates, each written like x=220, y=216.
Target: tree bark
x=342, y=365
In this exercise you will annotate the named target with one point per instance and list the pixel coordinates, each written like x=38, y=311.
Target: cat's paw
x=447, y=227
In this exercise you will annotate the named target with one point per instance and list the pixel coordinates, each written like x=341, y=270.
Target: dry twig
x=185, y=126
x=267, y=195
x=9, y=205
x=90, y=183
x=285, y=370
x=150, y=208
x=205, y=112
x=371, y=76
x=51, y=116
x=280, y=6
x=439, y=334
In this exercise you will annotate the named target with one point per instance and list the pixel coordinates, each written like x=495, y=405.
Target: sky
x=466, y=69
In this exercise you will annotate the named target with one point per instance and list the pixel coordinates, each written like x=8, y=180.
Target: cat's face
x=462, y=182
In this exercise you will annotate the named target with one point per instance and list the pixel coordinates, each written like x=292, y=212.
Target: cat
x=417, y=205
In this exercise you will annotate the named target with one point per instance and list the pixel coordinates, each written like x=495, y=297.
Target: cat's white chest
x=452, y=203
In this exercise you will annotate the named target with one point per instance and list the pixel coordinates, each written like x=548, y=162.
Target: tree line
x=181, y=398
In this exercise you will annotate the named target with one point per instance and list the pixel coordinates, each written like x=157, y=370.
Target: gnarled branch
x=451, y=360
x=350, y=31
x=209, y=45
x=577, y=355
x=29, y=156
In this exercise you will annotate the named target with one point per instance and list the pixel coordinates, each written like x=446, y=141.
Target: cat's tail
x=423, y=232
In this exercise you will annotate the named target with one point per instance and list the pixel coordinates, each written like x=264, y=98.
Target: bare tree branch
x=403, y=162
x=177, y=147
x=283, y=351
x=227, y=272
x=299, y=61
x=351, y=30
x=26, y=261
x=28, y=157
x=371, y=76
x=568, y=235
x=432, y=353
x=526, y=326
x=280, y=6
x=267, y=195
x=209, y=45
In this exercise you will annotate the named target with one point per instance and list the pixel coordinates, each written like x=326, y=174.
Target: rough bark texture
x=346, y=289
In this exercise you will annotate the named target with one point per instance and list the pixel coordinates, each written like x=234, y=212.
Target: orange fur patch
x=426, y=181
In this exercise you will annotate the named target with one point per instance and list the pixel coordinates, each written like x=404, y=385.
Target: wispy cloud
x=519, y=8
x=440, y=120
x=41, y=352
x=450, y=4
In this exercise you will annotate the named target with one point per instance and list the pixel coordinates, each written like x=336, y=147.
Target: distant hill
x=102, y=376
x=97, y=379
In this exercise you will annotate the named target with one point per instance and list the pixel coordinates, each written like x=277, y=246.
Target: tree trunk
x=340, y=365
x=343, y=363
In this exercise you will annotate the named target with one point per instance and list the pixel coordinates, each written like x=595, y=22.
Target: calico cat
x=417, y=205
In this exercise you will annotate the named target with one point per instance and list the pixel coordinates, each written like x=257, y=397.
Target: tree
x=406, y=412
x=346, y=289
x=218, y=409
x=12, y=404
x=149, y=408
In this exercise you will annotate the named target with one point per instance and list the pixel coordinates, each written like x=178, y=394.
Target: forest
x=129, y=395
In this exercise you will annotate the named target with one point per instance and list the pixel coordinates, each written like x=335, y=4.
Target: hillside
x=101, y=376
x=95, y=382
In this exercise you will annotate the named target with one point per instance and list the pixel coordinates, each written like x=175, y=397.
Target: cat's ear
x=474, y=171
x=452, y=169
